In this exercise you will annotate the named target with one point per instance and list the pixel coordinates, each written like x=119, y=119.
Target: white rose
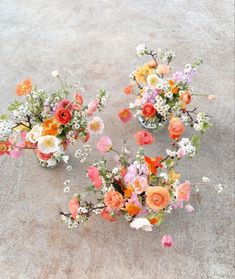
x=141, y=223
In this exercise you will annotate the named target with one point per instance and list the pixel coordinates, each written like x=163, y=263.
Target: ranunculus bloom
x=139, y=184
x=132, y=209
x=107, y=216
x=73, y=207
x=4, y=147
x=92, y=107
x=148, y=110
x=96, y=126
x=141, y=223
x=163, y=69
x=186, y=97
x=128, y=89
x=43, y=156
x=183, y=191
x=104, y=144
x=63, y=116
x=143, y=138
x=157, y=197
x=24, y=88
x=114, y=200
x=125, y=115
x=48, y=144
x=79, y=99
x=176, y=128
x=167, y=241
x=93, y=174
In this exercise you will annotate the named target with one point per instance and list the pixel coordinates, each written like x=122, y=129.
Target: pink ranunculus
x=15, y=153
x=143, y=138
x=183, y=191
x=92, y=107
x=104, y=144
x=167, y=241
x=73, y=207
x=181, y=153
x=93, y=174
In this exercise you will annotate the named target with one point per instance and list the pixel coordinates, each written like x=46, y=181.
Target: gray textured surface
x=97, y=39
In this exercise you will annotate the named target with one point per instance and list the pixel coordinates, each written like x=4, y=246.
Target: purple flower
x=135, y=170
x=150, y=95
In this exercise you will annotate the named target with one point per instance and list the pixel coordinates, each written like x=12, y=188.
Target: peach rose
x=186, y=97
x=113, y=199
x=157, y=197
x=163, y=69
x=176, y=128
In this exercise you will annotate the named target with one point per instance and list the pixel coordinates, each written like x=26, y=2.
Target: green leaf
x=3, y=117
x=169, y=162
x=14, y=105
x=196, y=141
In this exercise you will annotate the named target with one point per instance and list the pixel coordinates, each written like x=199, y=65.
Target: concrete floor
x=97, y=40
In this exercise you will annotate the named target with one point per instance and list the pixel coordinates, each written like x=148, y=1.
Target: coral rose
x=125, y=115
x=176, y=128
x=143, y=138
x=63, y=116
x=186, y=97
x=114, y=200
x=128, y=89
x=24, y=88
x=163, y=69
x=157, y=197
x=148, y=110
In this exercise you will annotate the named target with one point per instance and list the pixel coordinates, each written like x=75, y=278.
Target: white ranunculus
x=48, y=144
x=141, y=223
x=33, y=135
x=140, y=50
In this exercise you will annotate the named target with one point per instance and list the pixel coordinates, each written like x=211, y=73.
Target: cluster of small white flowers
x=165, y=55
x=203, y=122
x=82, y=210
x=186, y=144
x=171, y=153
x=20, y=114
x=81, y=154
x=5, y=129
x=102, y=98
x=140, y=50
x=185, y=118
x=70, y=223
x=161, y=106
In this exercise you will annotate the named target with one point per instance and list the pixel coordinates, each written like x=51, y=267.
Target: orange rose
x=176, y=128
x=186, y=97
x=24, y=88
x=113, y=199
x=157, y=197
x=128, y=89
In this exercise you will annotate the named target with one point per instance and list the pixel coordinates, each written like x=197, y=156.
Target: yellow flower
x=173, y=176
x=142, y=73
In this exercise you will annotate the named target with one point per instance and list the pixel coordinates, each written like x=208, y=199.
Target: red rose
x=148, y=110
x=143, y=137
x=63, y=116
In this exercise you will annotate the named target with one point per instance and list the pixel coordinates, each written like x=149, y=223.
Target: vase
x=153, y=124
x=48, y=161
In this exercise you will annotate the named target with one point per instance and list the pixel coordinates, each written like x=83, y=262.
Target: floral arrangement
x=141, y=190
x=48, y=123
x=161, y=96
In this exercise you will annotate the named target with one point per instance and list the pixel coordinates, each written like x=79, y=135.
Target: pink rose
x=93, y=174
x=183, y=191
x=92, y=107
x=167, y=241
x=104, y=144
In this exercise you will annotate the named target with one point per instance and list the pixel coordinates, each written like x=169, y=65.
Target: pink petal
x=189, y=208
x=167, y=241
x=15, y=153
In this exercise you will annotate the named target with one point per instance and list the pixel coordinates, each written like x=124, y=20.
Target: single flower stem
x=114, y=150
x=62, y=85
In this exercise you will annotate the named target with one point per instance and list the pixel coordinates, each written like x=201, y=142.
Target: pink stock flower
x=93, y=174
x=92, y=107
x=104, y=144
x=183, y=191
x=73, y=207
x=167, y=241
